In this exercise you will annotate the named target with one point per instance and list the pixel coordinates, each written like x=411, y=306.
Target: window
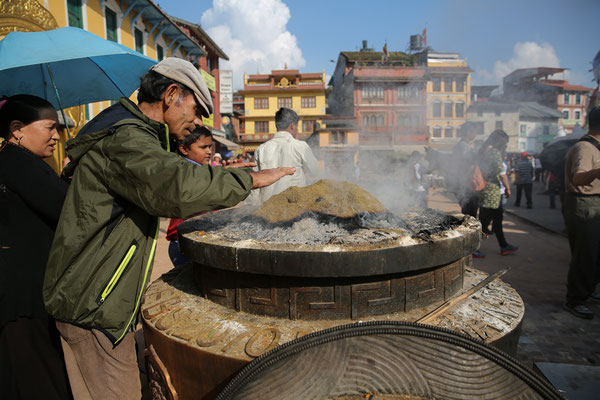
x=365, y=120
x=578, y=98
x=437, y=109
x=460, y=84
x=566, y=98
x=261, y=126
x=261, y=103
x=448, y=109
x=437, y=84
x=308, y=125
x=380, y=120
x=284, y=102
x=373, y=120
x=75, y=14
x=308, y=102
x=160, y=52
x=447, y=84
x=111, y=25
x=448, y=132
x=498, y=124
x=139, y=40
x=460, y=109
x=546, y=130
x=577, y=114
x=523, y=131
x=437, y=131
x=565, y=114
x=337, y=138
x=371, y=92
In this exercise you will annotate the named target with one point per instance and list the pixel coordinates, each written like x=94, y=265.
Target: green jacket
x=124, y=178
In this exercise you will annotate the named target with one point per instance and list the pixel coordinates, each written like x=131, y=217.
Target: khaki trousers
x=98, y=370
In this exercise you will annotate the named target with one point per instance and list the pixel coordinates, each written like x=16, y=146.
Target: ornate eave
x=24, y=16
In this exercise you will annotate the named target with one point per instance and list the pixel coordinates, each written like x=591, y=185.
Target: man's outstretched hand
x=267, y=177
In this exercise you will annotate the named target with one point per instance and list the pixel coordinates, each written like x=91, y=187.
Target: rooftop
x=198, y=31
x=367, y=56
x=531, y=74
x=566, y=85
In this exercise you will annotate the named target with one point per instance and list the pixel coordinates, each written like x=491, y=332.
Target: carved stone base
x=204, y=344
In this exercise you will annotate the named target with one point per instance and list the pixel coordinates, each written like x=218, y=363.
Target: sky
x=495, y=37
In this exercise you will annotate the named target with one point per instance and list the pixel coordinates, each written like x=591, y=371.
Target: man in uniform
x=123, y=179
x=582, y=217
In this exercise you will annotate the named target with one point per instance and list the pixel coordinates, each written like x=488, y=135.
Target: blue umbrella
x=69, y=67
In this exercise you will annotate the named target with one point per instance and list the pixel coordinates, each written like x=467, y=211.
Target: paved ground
x=550, y=335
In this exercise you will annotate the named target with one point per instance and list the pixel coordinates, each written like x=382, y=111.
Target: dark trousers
x=552, y=192
x=527, y=188
x=469, y=203
x=31, y=361
x=582, y=216
x=495, y=216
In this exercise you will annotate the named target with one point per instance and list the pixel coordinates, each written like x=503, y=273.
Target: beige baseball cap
x=187, y=74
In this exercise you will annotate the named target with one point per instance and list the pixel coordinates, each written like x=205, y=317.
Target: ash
x=318, y=229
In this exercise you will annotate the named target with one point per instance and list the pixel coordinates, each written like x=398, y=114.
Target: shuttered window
x=111, y=25
x=75, y=13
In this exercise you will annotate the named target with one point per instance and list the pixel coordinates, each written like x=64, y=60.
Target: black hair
x=153, y=85
x=284, y=117
x=497, y=139
x=21, y=107
x=593, y=118
x=196, y=135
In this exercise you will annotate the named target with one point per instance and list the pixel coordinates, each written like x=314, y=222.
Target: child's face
x=200, y=151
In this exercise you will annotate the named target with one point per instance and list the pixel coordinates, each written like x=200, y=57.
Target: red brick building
x=386, y=96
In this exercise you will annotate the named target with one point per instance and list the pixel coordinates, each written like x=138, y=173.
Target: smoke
x=254, y=35
x=525, y=55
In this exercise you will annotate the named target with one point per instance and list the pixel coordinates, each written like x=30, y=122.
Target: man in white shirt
x=285, y=150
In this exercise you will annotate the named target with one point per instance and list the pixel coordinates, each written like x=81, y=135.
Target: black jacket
x=31, y=198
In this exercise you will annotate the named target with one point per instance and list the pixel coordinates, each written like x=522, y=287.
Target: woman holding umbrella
x=31, y=198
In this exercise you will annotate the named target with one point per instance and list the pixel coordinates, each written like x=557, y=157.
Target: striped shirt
x=524, y=171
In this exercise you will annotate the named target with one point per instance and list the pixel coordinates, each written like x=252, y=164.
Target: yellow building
x=138, y=24
x=448, y=95
x=264, y=94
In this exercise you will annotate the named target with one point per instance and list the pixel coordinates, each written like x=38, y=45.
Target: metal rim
x=537, y=383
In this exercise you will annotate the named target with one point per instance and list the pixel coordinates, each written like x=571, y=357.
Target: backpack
x=476, y=181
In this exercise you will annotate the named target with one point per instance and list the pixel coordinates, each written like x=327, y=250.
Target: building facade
x=535, y=85
x=448, y=95
x=264, y=94
x=385, y=95
x=571, y=102
x=529, y=125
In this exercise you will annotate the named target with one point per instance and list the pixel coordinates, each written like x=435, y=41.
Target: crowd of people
x=77, y=252
x=577, y=184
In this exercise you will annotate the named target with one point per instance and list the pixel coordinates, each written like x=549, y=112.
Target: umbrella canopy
x=78, y=65
x=553, y=156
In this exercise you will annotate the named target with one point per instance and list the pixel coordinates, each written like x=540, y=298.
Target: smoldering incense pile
x=328, y=212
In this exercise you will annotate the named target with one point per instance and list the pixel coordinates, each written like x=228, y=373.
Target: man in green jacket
x=123, y=179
